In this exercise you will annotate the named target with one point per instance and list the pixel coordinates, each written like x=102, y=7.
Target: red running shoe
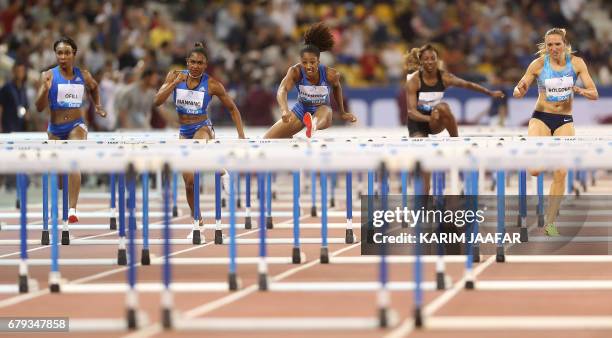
x=308, y=123
x=72, y=216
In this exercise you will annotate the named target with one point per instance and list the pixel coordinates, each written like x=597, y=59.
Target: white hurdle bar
x=182, y=226
x=518, y=323
x=283, y=324
x=181, y=241
x=154, y=261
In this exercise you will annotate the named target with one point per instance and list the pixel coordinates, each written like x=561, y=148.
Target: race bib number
x=313, y=94
x=190, y=100
x=559, y=87
x=430, y=98
x=70, y=94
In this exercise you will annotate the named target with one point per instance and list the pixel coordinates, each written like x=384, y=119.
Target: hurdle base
x=469, y=285
x=440, y=281
x=113, y=223
x=54, y=288
x=145, y=257
x=121, y=257
x=274, y=195
x=247, y=222
x=383, y=317
x=332, y=202
x=524, y=237
x=232, y=281
x=370, y=238
x=174, y=211
x=196, y=237
x=296, y=257
x=44, y=239
x=418, y=318
x=500, y=258
x=269, y=222
x=262, y=281
x=313, y=211
x=541, y=221
x=23, y=284
x=223, y=202
x=519, y=220
x=324, y=256
x=218, y=236
x=576, y=191
x=131, y=319
x=349, y=236
x=65, y=237
x=238, y=203
x=17, y=204
x=167, y=319
x=476, y=255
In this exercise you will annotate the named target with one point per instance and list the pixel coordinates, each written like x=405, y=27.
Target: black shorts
x=419, y=128
x=551, y=120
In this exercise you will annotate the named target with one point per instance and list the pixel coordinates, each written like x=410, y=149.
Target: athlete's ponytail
x=412, y=58
x=199, y=48
x=318, y=38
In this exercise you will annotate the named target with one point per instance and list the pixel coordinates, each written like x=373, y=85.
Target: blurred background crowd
x=130, y=45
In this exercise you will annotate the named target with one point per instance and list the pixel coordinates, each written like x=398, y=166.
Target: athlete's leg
x=426, y=175
x=285, y=129
x=52, y=137
x=74, y=181
x=446, y=120
x=537, y=128
x=323, y=116
x=205, y=133
x=557, y=188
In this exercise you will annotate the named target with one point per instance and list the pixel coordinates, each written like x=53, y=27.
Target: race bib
x=70, y=94
x=313, y=94
x=430, y=98
x=190, y=100
x=559, y=88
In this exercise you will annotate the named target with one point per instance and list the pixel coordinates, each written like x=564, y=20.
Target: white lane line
x=211, y=306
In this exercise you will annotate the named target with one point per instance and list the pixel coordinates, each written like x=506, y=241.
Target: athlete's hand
x=100, y=111
x=46, y=81
x=520, y=89
x=346, y=116
x=578, y=90
x=498, y=94
x=285, y=115
x=435, y=115
x=180, y=77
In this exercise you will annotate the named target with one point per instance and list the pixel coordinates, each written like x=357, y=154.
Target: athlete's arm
x=286, y=84
x=217, y=89
x=172, y=80
x=42, y=99
x=451, y=80
x=412, y=87
x=94, y=92
x=530, y=74
x=589, y=91
x=334, y=78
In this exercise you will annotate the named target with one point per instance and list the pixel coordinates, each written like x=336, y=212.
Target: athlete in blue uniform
x=63, y=90
x=556, y=71
x=192, y=90
x=313, y=82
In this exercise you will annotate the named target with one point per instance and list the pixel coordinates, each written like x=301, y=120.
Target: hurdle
x=477, y=284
